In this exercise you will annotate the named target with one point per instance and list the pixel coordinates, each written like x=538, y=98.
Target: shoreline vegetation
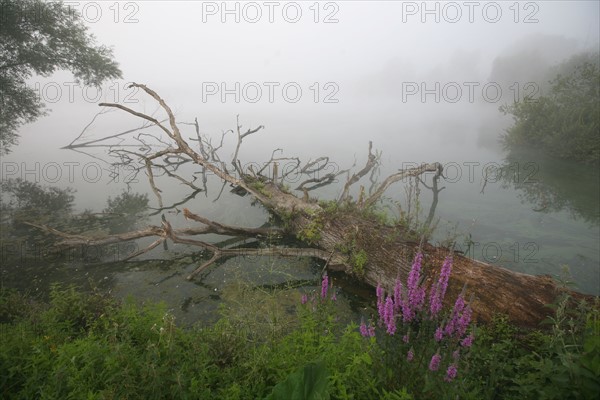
x=564, y=121
x=88, y=345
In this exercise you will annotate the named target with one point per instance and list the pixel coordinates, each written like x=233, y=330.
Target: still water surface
x=520, y=210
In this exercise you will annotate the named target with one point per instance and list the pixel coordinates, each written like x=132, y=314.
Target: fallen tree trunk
x=343, y=233
x=388, y=255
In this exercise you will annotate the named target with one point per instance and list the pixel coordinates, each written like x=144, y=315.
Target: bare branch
x=223, y=229
x=435, y=167
x=140, y=115
x=234, y=160
x=146, y=249
x=371, y=162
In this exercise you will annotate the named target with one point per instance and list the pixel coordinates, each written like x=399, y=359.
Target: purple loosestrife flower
x=434, y=364
x=324, y=285
x=413, y=276
x=410, y=355
x=449, y=329
x=363, y=329
x=389, y=319
x=416, y=294
x=371, y=331
x=463, y=322
x=304, y=299
x=379, y=292
x=439, y=334
x=438, y=290
x=451, y=373
x=406, y=338
x=407, y=313
x=459, y=305
x=467, y=342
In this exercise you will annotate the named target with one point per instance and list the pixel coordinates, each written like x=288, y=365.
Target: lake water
x=521, y=210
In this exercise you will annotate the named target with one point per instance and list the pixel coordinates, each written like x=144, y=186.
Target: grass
x=92, y=347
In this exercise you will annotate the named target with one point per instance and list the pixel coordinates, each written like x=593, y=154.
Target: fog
x=423, y=81
x=377, y=56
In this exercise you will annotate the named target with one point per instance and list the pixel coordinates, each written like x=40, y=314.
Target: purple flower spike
x=451, y=373
x=463, y=322
x=434, y=364
x=410, y=355
x=407, y=313
x=438, y=290
x=416, y=294
x=363, y=329
x=371, y=331
x=439, y=334
x=304, y=299
x=453, y=324
x=379, y=292
x=324, y=285
x=467, y=342
x=389, y=318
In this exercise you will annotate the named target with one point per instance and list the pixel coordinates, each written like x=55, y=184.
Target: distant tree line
x=565, y=122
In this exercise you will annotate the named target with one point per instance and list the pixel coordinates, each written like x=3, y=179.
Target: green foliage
x=359, y=260
x=567, y=366
x=126, y=210
x=565, y=122
x=260, y=187
x=396, y=395
x=329, y=206
x=284, y=219
x=127, y=203
x=33, y=200
x=307, y=383
x=311, y=233
x=14, y=305
x=90, y=346
x=564, y=363
x=39, y=37
x=24, y=201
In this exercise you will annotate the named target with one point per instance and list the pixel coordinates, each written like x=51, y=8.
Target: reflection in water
x=553, y=185
x=525, y=212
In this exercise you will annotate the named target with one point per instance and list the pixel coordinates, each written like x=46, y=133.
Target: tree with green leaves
x=564, y=123
x=38, y=37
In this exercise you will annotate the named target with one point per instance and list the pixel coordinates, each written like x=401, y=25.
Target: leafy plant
x=311, y=233
x=359, y=260
x=307, y=383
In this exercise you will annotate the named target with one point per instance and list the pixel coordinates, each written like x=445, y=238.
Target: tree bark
x=492, y=289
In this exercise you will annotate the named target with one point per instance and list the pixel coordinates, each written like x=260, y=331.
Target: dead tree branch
x=411, y=172
x=371, y=162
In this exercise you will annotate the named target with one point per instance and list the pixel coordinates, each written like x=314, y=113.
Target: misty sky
x=360, y=68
